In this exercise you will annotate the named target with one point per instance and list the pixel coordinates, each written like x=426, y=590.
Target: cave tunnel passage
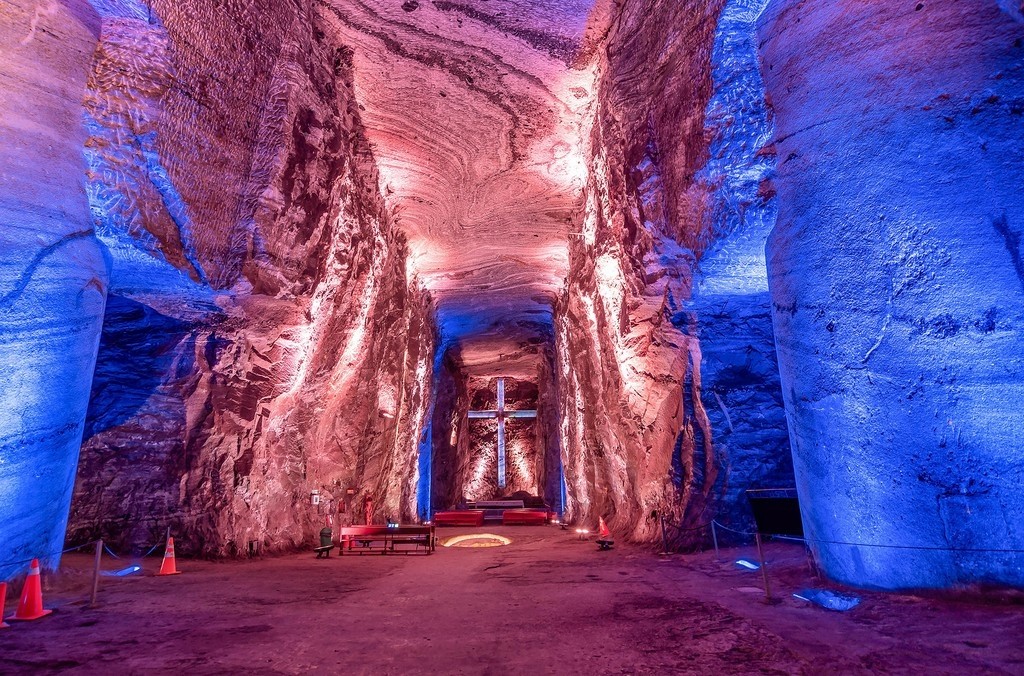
x=494, y=428
x=703, y=271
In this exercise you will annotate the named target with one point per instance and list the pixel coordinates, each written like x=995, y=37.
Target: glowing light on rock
x=387, y=401
x=455, y=429
x=520, y=460
x=590, y=220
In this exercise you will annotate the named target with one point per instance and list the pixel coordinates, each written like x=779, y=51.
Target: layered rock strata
x=897, y=283
x=53, y=273
x=475, y=111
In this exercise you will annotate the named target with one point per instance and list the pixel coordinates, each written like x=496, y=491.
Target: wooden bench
x=385, y=539
x=323, y=552
x=462, y=517
x=525, y=517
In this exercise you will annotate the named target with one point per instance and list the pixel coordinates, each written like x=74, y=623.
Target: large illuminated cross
x=501, y=414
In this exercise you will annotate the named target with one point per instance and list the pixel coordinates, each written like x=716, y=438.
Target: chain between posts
x=986, y=550
x=100, y=547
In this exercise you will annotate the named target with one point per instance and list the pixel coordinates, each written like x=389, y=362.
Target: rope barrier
x=43, y=556
x=151, y=550
x=732, y=530
x=878, y=545
x=914, y=547
x=75, y=549
x=679, y=529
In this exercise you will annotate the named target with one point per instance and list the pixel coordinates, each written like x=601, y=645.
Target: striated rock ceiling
x=476, y=113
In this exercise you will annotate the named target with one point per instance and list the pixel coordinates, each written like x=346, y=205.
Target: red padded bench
x=525, y=517
x=462, y=517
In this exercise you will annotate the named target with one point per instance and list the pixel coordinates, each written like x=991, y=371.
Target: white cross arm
x=521, y=414
x=483, y=414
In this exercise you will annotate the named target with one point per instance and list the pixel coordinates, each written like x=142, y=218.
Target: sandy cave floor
x=547, y=603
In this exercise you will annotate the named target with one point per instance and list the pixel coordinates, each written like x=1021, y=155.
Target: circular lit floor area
x=546, y=602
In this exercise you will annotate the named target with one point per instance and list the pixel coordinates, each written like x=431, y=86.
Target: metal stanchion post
x=96, y=573
x=764, y=571
x=714, y=538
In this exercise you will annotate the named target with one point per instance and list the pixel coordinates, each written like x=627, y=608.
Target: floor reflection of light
x=477, y=540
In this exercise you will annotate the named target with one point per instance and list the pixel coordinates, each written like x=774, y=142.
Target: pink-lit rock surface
x=673, y=202
x=476, y=113
x=478, y=116
x=263, y=341
x=319, y=231
x=334, y=224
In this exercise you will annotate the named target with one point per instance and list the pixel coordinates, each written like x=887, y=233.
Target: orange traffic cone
x=604, y=541
x=168, y=567
x=31, y=605
x=3, y=600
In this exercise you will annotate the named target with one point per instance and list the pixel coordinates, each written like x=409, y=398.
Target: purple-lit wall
x=53, y=275
x=897, y=283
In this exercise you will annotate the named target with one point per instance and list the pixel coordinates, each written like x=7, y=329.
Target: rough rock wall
x=473, y=109
x=655, y=402
x=897, y=283
x=53, y=273
x=264, y=341
x=551, y=479
x=448, y=428
x=731, y=306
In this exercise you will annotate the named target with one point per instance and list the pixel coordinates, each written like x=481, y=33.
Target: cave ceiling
x=476, y=112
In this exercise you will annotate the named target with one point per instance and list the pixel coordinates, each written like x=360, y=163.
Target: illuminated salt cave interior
x=253, y=253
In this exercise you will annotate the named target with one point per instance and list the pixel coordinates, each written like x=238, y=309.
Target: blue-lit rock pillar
x=897, y=283
x=53, y=274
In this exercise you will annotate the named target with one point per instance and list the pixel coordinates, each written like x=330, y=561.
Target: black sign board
x=776, y=511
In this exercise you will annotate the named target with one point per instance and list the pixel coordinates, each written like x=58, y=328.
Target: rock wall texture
x=474, y=109
x=263, y=340
x=447, y=436
x=730, y=308
x=897, y=283
x=53, y=273
x=665, y=348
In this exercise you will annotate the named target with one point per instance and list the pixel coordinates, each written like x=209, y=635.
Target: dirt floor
x=547, y=603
